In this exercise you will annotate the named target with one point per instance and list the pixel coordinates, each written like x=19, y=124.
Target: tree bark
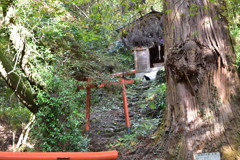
x=16, y=83
x=201, y=77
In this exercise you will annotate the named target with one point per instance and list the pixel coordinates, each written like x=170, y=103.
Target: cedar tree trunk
x=201, y=76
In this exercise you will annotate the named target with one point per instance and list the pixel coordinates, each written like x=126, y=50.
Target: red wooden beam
x=107, y=155
x=114, y=75
x=128, y=81
x=106, y=84
x=124, y=73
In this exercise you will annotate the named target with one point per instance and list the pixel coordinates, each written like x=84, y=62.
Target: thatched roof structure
x=147, y=31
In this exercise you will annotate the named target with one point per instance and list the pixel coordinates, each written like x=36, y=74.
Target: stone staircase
x=107, y=126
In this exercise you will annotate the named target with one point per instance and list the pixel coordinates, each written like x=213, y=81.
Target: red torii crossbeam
x=122, y=81
x=107, y=155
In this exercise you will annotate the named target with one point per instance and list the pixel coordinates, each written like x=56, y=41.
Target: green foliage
x=238, y=57
x=144, y=126
x=59, y=122
x=233, y=12
x=140, y=129
x=157, y=96
x=235, y=32
x=15, y=117
x=161, y=77
x=213, y=1
x=122, y=55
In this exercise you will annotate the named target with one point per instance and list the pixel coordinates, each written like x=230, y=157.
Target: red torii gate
x=122, y=81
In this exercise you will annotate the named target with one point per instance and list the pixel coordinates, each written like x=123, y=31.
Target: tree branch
x=16, y=83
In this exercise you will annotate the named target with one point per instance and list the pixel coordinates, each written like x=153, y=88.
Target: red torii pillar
x=125, y=105
x=124, y=97
x=88, y=103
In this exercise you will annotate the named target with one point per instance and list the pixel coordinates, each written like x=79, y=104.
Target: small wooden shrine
x=145, y=37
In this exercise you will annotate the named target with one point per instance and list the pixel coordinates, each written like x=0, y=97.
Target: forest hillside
x=52, y=51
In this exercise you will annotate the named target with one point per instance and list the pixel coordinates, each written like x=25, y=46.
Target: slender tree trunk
x=22, y=140
x=201, y=76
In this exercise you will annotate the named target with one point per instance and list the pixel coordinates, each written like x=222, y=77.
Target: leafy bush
x=234, y=26
x=59, y=122
x=157, y=96
x=12, y=113
x=238, y=58
x=161, y=76
x=140, y=129
x=144, y=126
x=14, y=117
